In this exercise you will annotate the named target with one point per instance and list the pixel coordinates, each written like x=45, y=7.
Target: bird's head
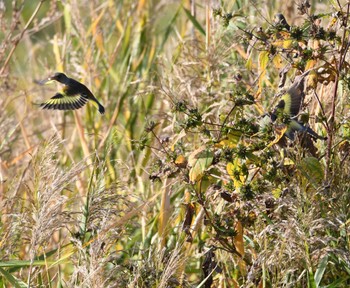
x=279, y=18
x=59, y=77
x=281, y=22
x=278, y=111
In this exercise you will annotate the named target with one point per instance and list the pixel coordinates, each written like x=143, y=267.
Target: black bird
x=74, y=95
x=281, y=21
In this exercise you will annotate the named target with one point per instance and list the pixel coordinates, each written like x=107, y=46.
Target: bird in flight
x=288, y=108
x=74, y=95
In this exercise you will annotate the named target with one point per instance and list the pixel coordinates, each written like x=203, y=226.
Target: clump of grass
x=35, y=206
x=159, y=268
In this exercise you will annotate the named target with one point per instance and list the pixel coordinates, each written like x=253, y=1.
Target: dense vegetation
x=185, y=181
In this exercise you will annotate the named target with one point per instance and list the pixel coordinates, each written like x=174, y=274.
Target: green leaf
x=194, y=21
x=169, y=28
x=320, y=270
x=312, y=169
x=12, y=279
x=6, y=139
x=22, y=263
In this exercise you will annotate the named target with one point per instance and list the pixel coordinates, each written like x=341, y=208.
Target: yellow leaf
x=238, y=239
x=310, y=64
x=280, y=132
x=239, y=244
x=119, y=26
x=181, y=161
x=56, y=52
x=277, y=192
x=286, y=44
x=312, y=80
x=263, y=60
x=277, y=61
x=249, y=63
x=152, y=53
x=200, y=160
x=288, y=162
x=231, y=141
x=231, y=169
x=98, y=35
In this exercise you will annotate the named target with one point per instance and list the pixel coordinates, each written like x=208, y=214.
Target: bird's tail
x=98, y=105
x=311, y=132
x=101, y=109
x=295, y=126
x=314, y=134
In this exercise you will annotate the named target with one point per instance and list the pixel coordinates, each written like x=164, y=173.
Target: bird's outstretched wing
x=290, y=102
x=63, y=102
x=295, y=96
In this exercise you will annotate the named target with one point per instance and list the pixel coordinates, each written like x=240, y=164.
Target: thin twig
x=343, y=53
x=223, y=123
x=323, y=112
x=21, y=36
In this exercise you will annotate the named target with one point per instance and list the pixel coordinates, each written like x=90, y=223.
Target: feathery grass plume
x=159, y=268
x=289, y=257
x=98, y=230
x=305, y=240
x=174, y=262
x=47, y=213
x=12, y=172
x=8, y=134
x=35, y=207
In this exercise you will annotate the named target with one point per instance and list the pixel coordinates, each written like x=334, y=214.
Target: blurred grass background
x=78, y=207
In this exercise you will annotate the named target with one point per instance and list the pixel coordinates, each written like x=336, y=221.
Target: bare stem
x=18, y=39
x=343, y=51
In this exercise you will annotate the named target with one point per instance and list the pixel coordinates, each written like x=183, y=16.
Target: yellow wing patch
x=63, y=102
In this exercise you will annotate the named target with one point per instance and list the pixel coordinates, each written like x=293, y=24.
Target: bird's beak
x=46, y=81
x=42, y=82
x=49, y=80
